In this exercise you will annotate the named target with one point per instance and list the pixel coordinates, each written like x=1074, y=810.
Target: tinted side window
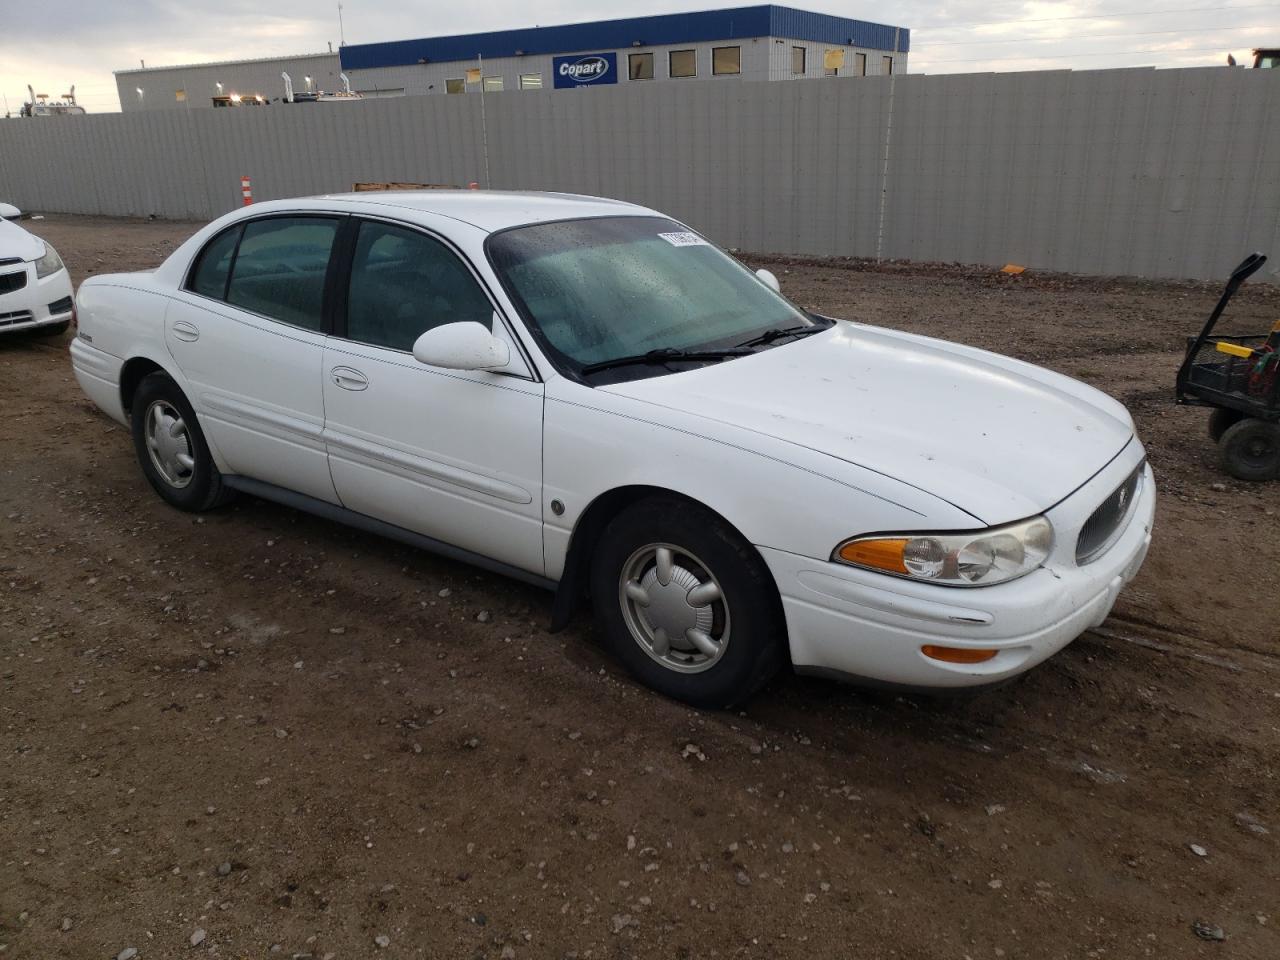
x=280, y=269
x=404, y=283
x=209, y=278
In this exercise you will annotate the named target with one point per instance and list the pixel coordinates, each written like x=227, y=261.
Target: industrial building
x=200, y=84
x=764, y=42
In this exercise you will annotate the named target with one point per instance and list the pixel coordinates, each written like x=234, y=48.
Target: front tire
x=1250, y=450
x=171, y=448
x=687, y=604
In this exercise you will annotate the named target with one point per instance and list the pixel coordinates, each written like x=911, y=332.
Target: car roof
x=493, y=210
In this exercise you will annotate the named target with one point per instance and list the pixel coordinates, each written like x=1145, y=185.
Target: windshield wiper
x=769, y=336
x=665, y=355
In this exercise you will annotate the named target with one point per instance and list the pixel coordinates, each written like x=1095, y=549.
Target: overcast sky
x=52, y=46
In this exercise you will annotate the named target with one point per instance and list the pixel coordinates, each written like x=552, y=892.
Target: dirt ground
x=300, y=739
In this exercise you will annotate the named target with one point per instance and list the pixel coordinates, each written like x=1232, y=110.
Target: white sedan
x=591, y=397
x=35, y=288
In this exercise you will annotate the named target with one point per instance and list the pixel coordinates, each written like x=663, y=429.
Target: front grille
x=10, y=282
x=60, y=306
x=1104, y=527
x=17, y=316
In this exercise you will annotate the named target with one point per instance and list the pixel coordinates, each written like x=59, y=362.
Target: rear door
x=453, y=455
x=248, y=332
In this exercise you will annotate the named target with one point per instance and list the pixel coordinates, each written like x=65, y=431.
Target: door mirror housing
x=769, y=280
x=461, y=346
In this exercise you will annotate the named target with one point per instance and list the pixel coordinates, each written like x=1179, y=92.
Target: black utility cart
x=1239, y=377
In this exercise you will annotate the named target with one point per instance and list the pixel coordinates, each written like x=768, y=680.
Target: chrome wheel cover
x=169, y=444
x=674, y=607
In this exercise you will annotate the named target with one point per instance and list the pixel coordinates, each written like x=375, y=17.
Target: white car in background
x=35, y=288
x=9, y=212
x=589, y=396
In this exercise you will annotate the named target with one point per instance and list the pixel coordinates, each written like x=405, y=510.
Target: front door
x=453, y=455
x=248, y=334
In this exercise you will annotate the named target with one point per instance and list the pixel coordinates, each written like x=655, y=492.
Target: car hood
x=998, y=438
x=16, y=242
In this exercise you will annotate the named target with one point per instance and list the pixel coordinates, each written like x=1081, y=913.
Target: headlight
x=49, y=264
x=955, y=559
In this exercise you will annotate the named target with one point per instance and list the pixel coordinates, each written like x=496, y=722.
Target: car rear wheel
x=687, y=604
x=171, y=448
x=1250, y=450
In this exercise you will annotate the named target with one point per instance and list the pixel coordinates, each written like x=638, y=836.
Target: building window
x=861, y=64
x=530, y=81
x=683, y=63
x=726, y=60
x=492, y=84
x=455, y=86
x=886, y=65
x=180, y=95
x=797, y=61
x=640, y=66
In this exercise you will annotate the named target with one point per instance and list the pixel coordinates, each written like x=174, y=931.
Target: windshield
x=603, y=289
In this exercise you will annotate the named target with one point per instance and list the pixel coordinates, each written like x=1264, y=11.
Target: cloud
x=92, y=38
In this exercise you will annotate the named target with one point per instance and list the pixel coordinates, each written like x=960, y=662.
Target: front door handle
x=186, y=331
x=349, y=378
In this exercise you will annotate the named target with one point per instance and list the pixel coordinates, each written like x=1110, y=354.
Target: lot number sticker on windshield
x=684, y=239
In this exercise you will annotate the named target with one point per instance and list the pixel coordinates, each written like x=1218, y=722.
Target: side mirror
x=769, y=280
x=461, y=346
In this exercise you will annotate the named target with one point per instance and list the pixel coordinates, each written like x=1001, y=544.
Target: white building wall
x=195, y=86
x=780, y=60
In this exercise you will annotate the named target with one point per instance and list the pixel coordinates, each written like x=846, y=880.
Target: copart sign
x=585, y=69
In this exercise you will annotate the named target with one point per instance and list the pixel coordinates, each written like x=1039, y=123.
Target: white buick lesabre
x=588, y=395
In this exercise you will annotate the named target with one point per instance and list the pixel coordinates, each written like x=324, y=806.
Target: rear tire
x=52, y=330
x=713, y=633
x=171, y=448
x=1221, y=420
x=1250, y=450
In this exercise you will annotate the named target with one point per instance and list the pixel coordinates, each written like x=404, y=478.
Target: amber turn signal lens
x=879, y=554
x=957, y=654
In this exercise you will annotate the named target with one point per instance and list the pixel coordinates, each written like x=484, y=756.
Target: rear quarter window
x=213, y=265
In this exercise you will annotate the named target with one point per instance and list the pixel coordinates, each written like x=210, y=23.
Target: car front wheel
x=687, y=604
x=171, y=448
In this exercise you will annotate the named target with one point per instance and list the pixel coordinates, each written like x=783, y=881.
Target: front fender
x=776, y=494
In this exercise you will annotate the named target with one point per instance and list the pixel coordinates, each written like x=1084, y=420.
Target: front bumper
x=860, y=624
x=30, y=306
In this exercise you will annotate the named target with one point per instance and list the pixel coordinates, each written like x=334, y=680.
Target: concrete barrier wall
x=1169, y=173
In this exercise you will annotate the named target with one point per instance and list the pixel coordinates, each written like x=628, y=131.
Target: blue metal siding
x=740, y=23
x=795, y=24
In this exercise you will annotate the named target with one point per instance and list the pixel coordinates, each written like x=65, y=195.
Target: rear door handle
x=349, y=379
x=186, y=331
